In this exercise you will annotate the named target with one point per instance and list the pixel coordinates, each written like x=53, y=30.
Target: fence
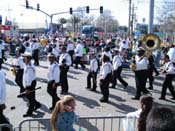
x=106, y=123
x=6, y=127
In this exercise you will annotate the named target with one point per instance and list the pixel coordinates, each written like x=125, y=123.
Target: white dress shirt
x=117, y=61
x=70, y=47
x=20, y=62
x=35, y=45
x=29, y=74
x=67, y=57
x=93, y=65
x=171, y=54
x=79, y=50
x=56, y=51
x=169, y=68
x=141, y=64
x=105, y=69
x=2, y=87
x=54, y=72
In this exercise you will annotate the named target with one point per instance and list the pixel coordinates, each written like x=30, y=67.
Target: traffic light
x=38, y=7
x=101, y=9
x=0, y=19
x=87, y=9
x=71, y=11
x=27, y=4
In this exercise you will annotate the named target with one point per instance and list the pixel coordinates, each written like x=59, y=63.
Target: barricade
x=102, y=123
x=8, y=127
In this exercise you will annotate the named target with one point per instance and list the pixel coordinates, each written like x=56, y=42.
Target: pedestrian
x=168, y=70
x=117, y=69
x=105, y=77
x=29, y=79
x=53, y=79
x=63, y=115
x=141, y=63
x=93, y=70
x=70, y=49
x=64, y=63
x=3, y=119
x=35, y=51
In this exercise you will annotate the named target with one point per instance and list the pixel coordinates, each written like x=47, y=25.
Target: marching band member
x=35, y=51
x=92, y=72
x=29, y=79
x=168, y=70
x=117, y=69
x=20, y=70
x=53, y=79
x=64, y=63
x=70, y=49
x=105, y=77
x=140, y=73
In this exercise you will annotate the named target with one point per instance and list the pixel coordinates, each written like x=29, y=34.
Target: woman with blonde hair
x=63, y=115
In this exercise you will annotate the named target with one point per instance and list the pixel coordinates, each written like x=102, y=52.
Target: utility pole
x=129, y=20
x=132, y=18
x=151, y=17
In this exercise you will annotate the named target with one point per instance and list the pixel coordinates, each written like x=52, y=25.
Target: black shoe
x=126, y=86
x=104, y=100
x=135, y=98
x=51, y=108
x=161, y=98
x=93, y=89
x=88, y=88
x=37, y=107
x=27, y=115
x=157, y=74
x=150, y=88
x=112, y=86
x=64, y=93
x=173, y=98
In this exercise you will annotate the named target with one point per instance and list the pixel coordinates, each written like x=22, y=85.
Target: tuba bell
x=151, y=42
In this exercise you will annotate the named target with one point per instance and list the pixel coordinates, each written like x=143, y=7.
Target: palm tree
x=75, y=20
x=62, y=21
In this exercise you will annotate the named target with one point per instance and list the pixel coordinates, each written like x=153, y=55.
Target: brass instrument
x=150, y=43
x=13, y=68
x=133, y=65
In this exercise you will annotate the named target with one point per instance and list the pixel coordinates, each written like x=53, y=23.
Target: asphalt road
x=88, y=103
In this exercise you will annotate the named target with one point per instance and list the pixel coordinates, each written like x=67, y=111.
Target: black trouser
x=52, y=92
x=19, y=79
x=155, y=70
x=63, y=78
x=31, y=97
x=168, y=84
x=71, y=53
x=92, y=75
x=3, y=119
x=79, y=61
x=140, y=78
x=117, y=75
x=36, y=57
x=150, y=77
x=104, y=86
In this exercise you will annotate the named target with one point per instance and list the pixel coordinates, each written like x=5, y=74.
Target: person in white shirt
x=70, y=49
x=79, y=54
x=140, y=73
x=29, y=79
x=53, y=79
x=171, y=54
x=19, y=70
x=92, y=72
x=64, y=63
x=105, y=78
x=117, y=69
x=35, y=51
x=168, y=70
x=3, y=119
x=56, y=52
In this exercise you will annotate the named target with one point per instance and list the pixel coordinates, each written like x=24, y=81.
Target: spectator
x=161, y=118
x=63, y=115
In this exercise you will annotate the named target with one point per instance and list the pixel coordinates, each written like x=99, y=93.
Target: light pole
x=151, y=17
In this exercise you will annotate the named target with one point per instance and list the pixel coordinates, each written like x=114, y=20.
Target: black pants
x=79, y=61
x=104, y=86
x=155, y=70
x=63, y=78
x=3, y=119
x=71, y=53
x=36, y=57
x=117, y=75
x=140, y=78
x=92, y=75
x=150, y=77
x=19, y=79
x=53, y=93
x=168, y=84
x=31, y=97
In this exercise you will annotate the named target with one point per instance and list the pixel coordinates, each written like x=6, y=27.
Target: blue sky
x=119, y=9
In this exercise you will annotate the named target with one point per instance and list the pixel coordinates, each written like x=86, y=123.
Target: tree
x=107, y=21
x=74, y=20
x=62, y=21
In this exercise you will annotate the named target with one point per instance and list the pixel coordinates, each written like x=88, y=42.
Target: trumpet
x=13, y=69
x=133, y=64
